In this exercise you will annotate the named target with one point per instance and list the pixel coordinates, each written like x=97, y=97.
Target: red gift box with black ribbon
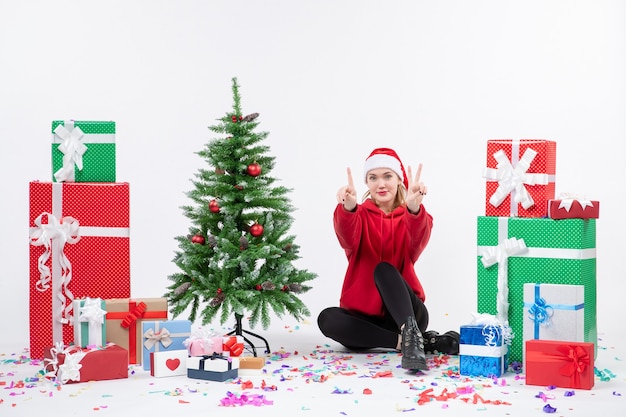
x=124, y=318
x=79, y=247
x=559, y=363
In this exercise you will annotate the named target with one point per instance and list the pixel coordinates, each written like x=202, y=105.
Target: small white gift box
x=168, y=363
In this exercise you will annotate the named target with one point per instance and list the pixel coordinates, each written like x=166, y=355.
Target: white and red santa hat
x=385, y=158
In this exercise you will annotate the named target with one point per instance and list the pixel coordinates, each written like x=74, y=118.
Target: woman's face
x=382, y=184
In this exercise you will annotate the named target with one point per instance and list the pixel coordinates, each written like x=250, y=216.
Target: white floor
x=306, y=374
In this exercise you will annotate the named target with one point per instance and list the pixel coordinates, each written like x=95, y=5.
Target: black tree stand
x=239, y=331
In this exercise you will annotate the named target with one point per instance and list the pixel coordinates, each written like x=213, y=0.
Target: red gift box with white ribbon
x=79, y=247
x=571, y=206
x=72, y=364
x=520, y=177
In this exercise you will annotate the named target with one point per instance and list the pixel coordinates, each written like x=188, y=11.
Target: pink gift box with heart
x=168, y=363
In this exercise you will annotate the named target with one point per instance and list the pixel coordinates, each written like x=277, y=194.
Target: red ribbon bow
x=577, y=360
x=132, y=316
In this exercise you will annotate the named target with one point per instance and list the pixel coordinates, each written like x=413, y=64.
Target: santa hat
x=385, y=158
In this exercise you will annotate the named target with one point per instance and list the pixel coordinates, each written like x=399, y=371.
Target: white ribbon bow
x=73, y=149
x=500, y=255
x=493, y=329
x=513, y=179
x=69, y=370
x=92, y=312
x=152, y=338
x=65, y=231
x=567, y=199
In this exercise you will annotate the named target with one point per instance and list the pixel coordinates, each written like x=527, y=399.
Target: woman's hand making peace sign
x=416, y=192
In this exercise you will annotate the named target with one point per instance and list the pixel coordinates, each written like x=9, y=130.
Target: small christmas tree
x=238, y=256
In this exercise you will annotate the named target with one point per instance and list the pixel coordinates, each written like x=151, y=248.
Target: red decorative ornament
x=258, y=287
x=285, y=288
x=234, y=119
x=214, y=206
x=198, y=239
x=254, y=170
x=239, y=187
x=256, y=230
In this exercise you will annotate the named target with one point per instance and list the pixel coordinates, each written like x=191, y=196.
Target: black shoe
x=412, y=348
x=447, y=343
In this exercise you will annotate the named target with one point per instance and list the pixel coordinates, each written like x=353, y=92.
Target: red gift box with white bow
x=79, y=247
x=559, y=363
x=72, y=364
x=573, y=207
x=520, y=177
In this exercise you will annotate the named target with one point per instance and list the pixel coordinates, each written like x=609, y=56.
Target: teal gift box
x=482, y=351
x=83, y=151
x=89, y=322
x=555, y=252
x=160, y=336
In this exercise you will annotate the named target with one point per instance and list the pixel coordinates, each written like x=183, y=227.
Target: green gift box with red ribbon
x=83, y=151
x=79, y=246
x=124, y=322
x=514, y=251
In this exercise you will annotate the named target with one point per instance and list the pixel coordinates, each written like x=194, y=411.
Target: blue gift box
x=214, y=367
x=482, y=351
x=159, y=336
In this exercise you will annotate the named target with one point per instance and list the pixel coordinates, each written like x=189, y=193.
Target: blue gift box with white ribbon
x=166, y=335
x=554, y=312
x=482, y=350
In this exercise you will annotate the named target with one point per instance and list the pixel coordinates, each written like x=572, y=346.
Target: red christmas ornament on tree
x=254, y=169
x=214, y=206
x=256, y=230
x=198, y=239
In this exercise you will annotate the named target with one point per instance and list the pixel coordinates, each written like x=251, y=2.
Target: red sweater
x=369, y=236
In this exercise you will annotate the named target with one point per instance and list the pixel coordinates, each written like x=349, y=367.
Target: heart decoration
x=172, y=364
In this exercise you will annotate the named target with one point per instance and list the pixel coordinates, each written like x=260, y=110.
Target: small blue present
x=483, y=350
x=159, y=336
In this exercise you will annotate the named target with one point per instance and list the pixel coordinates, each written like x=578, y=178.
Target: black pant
x=358, y=331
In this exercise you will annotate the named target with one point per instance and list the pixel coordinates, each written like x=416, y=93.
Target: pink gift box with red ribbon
x=79, y=247
x=559, y=363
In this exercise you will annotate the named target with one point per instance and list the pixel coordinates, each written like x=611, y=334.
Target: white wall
x=331, y=80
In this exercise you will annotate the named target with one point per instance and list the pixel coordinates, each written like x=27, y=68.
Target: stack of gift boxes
x=83, y=321
x=536, y=269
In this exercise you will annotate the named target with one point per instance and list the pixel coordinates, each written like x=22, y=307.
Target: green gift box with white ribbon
x=514, y=251
x=89, y=322
x=83, y=151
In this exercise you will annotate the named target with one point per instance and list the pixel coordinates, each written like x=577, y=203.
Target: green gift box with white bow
x=514, y=251
x=83, y=151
